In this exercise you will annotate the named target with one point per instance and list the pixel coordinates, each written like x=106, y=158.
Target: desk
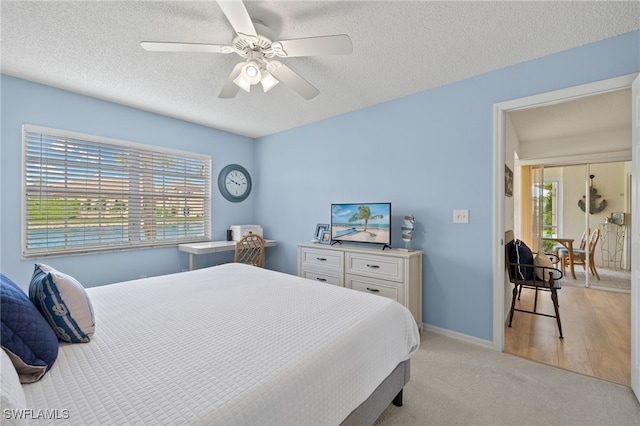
x=206, y=247
x=568, y=244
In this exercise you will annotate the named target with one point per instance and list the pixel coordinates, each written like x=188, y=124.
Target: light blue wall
x=27, y=102
x=428, y=154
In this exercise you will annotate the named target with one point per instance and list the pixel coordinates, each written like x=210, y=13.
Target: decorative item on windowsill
x=593, y=195
x=407, y=230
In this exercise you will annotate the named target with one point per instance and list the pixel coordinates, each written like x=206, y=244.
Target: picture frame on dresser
x=325, y=238
x=320, y=229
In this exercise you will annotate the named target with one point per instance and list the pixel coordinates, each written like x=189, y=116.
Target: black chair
x=525, y=271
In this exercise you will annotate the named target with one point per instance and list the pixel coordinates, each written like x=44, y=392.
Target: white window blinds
x=87, y=194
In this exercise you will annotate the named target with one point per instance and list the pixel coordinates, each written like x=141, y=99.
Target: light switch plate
x=461, y=216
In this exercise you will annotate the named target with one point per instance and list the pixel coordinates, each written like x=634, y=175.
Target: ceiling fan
x=254, y=42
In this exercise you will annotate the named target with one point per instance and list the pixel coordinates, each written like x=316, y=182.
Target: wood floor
x=595, y=323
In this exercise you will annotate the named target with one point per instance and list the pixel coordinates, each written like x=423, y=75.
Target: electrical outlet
x=461, y=216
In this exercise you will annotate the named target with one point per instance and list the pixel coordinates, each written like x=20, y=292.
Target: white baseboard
x=459, y=336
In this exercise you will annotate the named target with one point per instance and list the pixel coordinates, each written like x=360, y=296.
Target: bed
x=231, y=344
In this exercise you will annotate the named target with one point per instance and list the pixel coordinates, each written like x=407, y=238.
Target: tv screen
x=361, y=223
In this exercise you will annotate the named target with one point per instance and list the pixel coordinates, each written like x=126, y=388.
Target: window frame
x=557, y=197
x=151, y=230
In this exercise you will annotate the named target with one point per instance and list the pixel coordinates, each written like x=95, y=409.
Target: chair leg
x=513, y=303
x=519, y=292
x=554, y=298
x=592, y=265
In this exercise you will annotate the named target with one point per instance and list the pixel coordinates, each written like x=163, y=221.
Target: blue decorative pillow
x=27, y=338
x=63, y=301
x=521, y=254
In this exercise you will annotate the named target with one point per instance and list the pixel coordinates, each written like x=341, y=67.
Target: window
x=551, y=211
x=85, y=194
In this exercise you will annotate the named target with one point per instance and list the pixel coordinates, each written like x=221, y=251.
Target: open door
x=635, y=238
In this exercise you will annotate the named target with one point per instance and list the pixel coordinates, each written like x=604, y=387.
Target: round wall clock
x=234, y=183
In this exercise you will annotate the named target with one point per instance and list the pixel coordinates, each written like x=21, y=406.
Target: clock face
x=234, y=183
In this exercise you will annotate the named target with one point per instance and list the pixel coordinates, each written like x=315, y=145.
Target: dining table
x=568, y=244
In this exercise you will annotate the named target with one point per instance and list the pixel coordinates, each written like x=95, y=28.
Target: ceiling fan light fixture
x=242, y=83
x=268, y=81
x=251, y=72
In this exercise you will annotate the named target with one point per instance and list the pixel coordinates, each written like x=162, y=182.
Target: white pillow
x=13, y=397
x=64, y=303
x=541, y=259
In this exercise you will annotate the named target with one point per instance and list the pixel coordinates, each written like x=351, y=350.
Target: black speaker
x=229, y=235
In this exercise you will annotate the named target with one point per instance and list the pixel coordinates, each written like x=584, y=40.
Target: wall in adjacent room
x=428, y=154
x=31, y=103
x=611, y=184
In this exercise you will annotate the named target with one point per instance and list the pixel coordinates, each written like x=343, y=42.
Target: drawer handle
x=375, y=290
x=321, y=259
x=324, y=280
x=373, y=266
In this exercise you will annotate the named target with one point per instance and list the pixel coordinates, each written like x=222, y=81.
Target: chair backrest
x=250, y=250
x=593, y=241
x=583, y=240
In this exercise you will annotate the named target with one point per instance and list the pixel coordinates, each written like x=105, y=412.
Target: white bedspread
x=232, y=344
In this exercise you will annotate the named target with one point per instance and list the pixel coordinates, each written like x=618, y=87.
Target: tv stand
x=385, y=246
x=333, y=242
x=392, y=273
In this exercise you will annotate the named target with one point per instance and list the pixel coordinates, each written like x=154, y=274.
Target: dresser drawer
x=322, y=258
x=387, y=289
x=382, y=267
x=323, y=278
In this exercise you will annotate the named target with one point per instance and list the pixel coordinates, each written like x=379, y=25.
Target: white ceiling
x=400, y=48
x=593, y=114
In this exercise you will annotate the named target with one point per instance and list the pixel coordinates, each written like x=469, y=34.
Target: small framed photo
x=320, y=229
x=617, y=218
x=508, y=181
x=326, y=237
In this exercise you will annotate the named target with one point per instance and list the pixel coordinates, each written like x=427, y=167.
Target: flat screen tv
x=361, y=223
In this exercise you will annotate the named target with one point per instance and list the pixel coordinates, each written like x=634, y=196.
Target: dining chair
x=580, y=254
x=250, y=250
x=562, y=252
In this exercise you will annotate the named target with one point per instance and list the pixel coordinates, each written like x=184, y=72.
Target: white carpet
x=458, y=383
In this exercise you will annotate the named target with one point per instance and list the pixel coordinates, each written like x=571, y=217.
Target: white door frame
x=635, y=237
x=499, y=138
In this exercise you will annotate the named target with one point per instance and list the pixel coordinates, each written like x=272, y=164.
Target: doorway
x=595, y=302
x=500, y=292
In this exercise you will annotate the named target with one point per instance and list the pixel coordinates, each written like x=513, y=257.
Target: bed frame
x=389, y=391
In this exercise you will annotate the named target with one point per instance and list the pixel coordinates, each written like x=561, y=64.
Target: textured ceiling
x=400, y=48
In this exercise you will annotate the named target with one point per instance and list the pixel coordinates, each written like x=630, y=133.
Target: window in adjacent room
x=551, y=211
x=85, y=194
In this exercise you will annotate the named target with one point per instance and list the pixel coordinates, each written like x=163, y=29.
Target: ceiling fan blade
x=230, y=89
x=238, y=17
x=314, y=46
x=160, y=46
x=292, y=79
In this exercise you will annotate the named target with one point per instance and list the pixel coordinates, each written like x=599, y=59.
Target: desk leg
x=192, y=261
x=573, y=272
